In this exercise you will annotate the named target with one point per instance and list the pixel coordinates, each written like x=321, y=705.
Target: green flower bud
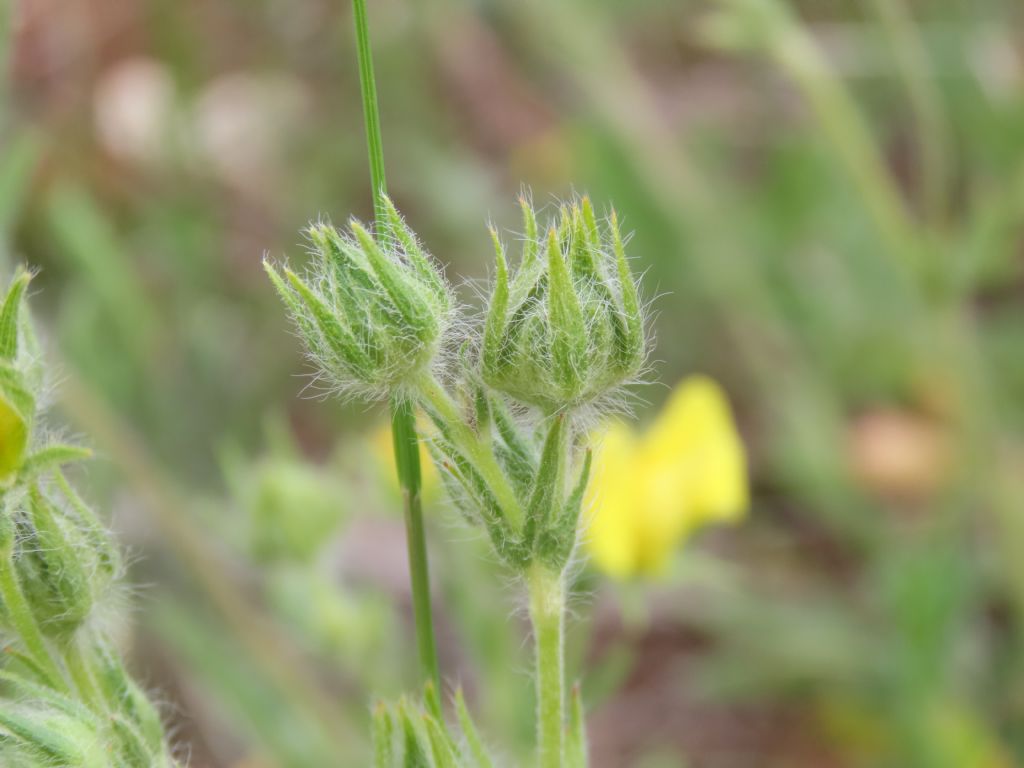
x=294, y=508
x=567, y=329
x=64, y=563
x=372, y=310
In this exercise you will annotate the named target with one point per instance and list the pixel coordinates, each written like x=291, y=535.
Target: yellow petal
x=647, y=494
x=696, y=442
x=612, y=533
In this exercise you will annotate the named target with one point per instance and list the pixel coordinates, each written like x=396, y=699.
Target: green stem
x=475, y=449
x=403, y=419
x=407, y=459
x=371, y=112
x=547, y=612
x=20, y=615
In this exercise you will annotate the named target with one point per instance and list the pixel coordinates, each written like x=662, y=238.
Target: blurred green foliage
x=828, y=200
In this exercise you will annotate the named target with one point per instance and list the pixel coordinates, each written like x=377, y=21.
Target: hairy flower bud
x=373, y=308
x=64, y=561
x=567, y=328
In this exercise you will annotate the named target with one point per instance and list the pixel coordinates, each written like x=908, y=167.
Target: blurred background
x=827, y=200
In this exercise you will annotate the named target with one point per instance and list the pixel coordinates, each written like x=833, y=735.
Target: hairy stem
x=407, y=458
x=547, y=612
x=20, y=615
x=403, y=419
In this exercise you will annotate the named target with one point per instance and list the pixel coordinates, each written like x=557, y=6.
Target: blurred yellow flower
x=650, y=491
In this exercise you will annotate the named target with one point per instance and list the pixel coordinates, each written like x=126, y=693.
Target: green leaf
x=337, y=338
x=631, y=348
x=476, y=746
x=383, y=737
x=444, y=751
x=590, y=230
x=512, y=451
x=557, y=541
x=52, y=457
x=107, y=553
x=494, y=326
x=10, y=312
x=42, y=694
x=132, y=745
x=529, y=234
x=547, y=486
x=421, y=263
x=403, y=292
x=432, y=700
x=565, y=317
x=484, y=504
x=576, y=738
x=13, y=388
x=512, y=437
x=124, y=696
x=416, y=745
x=30, y=665
x=582, y=248
x=50, y=737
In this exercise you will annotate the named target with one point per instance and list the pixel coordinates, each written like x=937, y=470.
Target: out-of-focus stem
x=845, y=129
x=913, y=66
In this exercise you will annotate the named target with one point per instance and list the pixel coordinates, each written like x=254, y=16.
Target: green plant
x=372, y=314
x=67, y=699
x=562, y=335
